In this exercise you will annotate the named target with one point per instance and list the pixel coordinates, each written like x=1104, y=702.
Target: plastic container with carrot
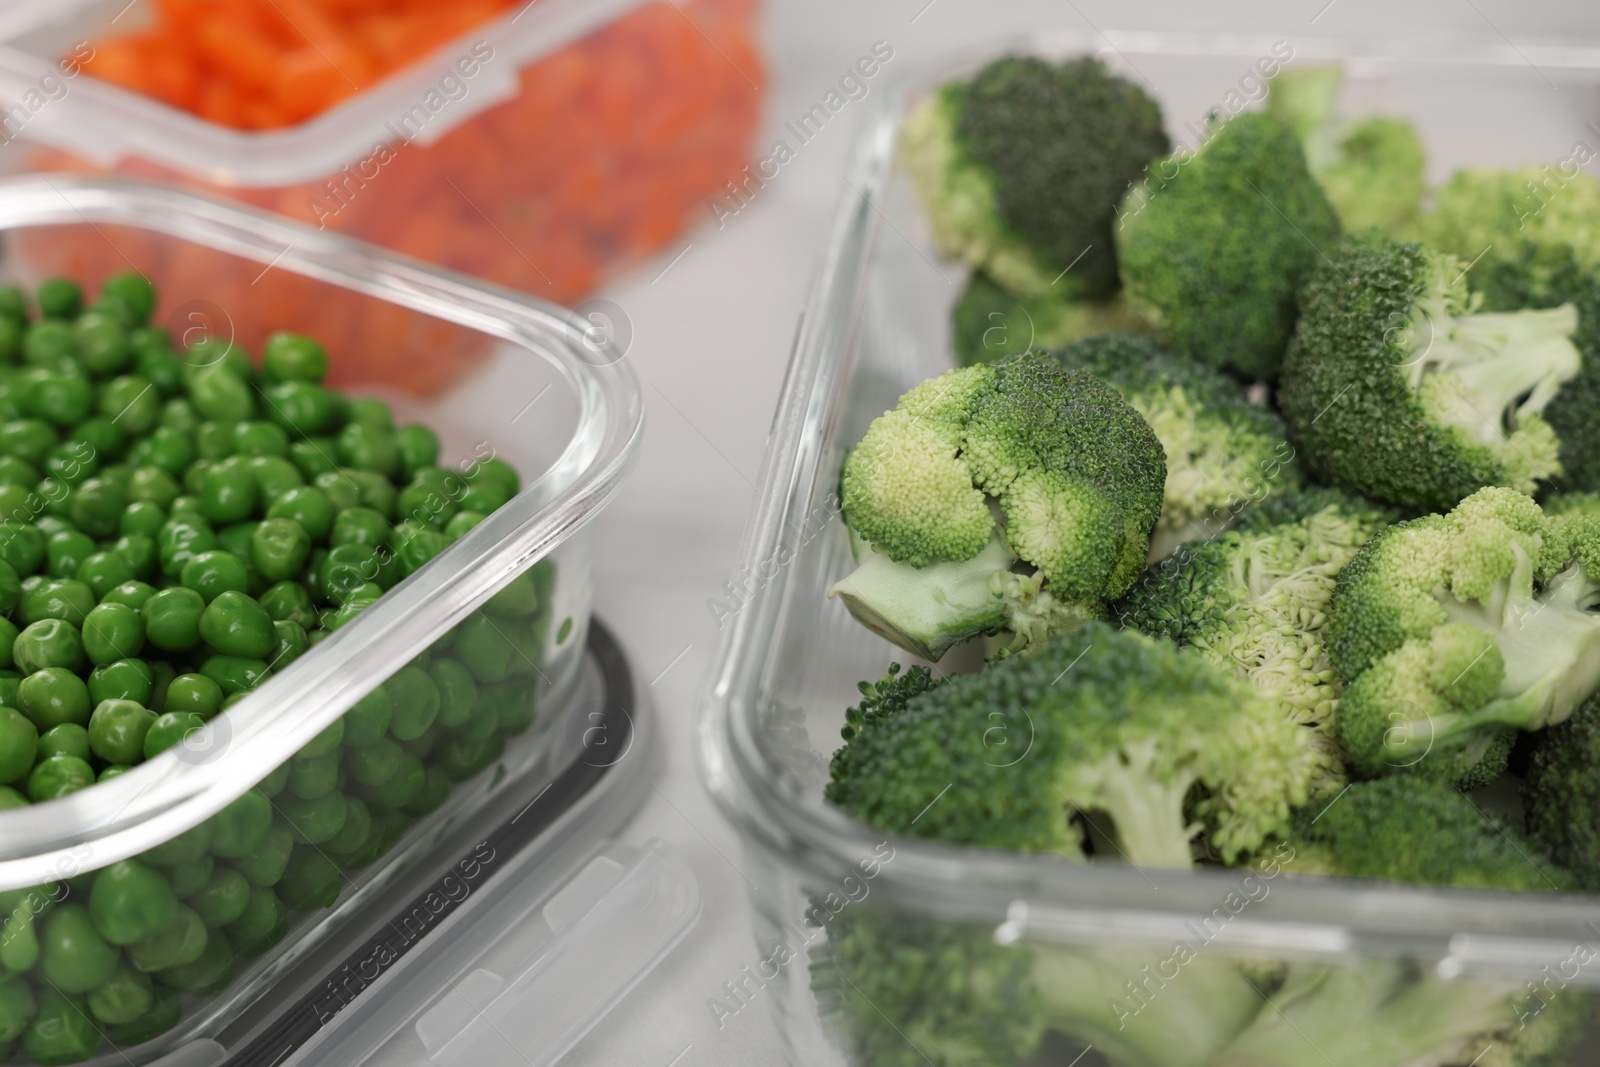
x=542, y=146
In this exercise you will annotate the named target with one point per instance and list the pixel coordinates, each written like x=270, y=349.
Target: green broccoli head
x=1214, y=253
x=1072, y=471
x=989, y=323
x=1254, y=601
x=1563, y=780
x=1221, y=449
x=1450, y=629
x=1150, y=741
x=1020, y=170
x=1397, y=386
x=1371, y=170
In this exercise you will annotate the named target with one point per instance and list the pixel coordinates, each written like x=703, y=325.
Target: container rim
x=1043, y=896
x=178, y=789
x=105, y=122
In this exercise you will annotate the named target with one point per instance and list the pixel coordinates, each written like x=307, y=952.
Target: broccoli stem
x=1163, y=1008
x=1504, y=366
x=1146, y=811
x=929, y=609
x=1374, y=1014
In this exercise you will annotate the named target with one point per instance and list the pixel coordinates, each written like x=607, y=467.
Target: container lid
x=503, y=946
x=105, y=123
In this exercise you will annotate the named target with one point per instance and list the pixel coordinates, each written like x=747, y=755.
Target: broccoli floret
x=1073, y=472
x=1221, y=449
x=1020, y=170
x=906, y=991
x=1214, y=246
x=1397, y=386
x=1382, y=1013
x=1550, y=276
x=1254, y=601
x=1107, y=724
x=1451, y=629
x=1534, y=216
x=1372, y=170
x=1561, y=791
x=989, y=323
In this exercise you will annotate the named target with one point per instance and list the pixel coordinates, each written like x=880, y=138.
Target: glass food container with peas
x=265, y=644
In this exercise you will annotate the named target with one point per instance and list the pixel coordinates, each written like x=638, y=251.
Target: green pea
x=218, y=393
x=374, y=764
x=484, y=497
x=112, y=770
x=306, y=506
x=279, y=548
x=8, y=643
x=104, y=571
x=14, y=498
x=213, y=573
x=178, y=943
x=387, y=829
x=419, y=448
x=304, y=409
x=498, y=472
x=62, y=1031
x=186, y=847
x=166, y=1011
x=194, y=693
x=241, y=827
x=235, y=625
x=168, y=448
x=289, y=601
x=65, y=552
x=367, y=722
x=434, y=791
x=399, y=788
x=274, y=476
x=177, y=413
x=353, y=834
x=140, y=553
x=315, y=820
x=431, y=497
x=172, y=619
x=264, y=864
x=9, y=799
x=293, y=357
x=189, y=878
x=162, y=675
x=170, y=729
x=223, y=899
x=235, y=674
x=125, y=996
x=19, y=742
x=415, y=700
x=117, y=730
x=17, y=1008
x=290, y=642
x=314, y=456
x=131, y=291
x=182, y=539
x=53, y=696
x=73, y=956
x=210, y=972
x=10, y=684
x=16, y=471
x=68, y=739
x=517, y=599
x=346, y=569
x=460, y=757
x=28, y=439
x=359, y=526
x=414, y=545
x=377, y=491
x=484, y=649
x=235, y=538
x=150, y=485
x=228, y=492
x=66, y=599
x=264, y=923
x=187, y=508
x=311, y=777
x=112, y=632
x=341, y=490
x=132, y=402
x=461, y=523
x=60, y=400
x=59, y=298
x=259, y=439
x=21, y=546
x=312, y=880
x=134, y=594
x=58, y=776
x=128, y=679
x=131, y=902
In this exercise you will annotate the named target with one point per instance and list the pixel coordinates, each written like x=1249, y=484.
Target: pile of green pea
x=177, y=525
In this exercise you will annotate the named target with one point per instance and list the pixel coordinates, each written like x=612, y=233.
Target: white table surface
x=711, y=341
